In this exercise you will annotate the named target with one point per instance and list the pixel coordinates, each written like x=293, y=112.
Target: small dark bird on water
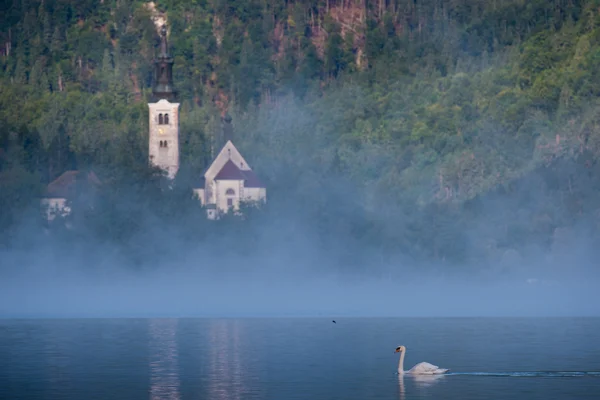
x=334, y=322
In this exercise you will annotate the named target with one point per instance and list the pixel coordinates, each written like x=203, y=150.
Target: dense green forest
x=462, y=131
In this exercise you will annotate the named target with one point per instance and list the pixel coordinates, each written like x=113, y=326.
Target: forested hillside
x=460, y=131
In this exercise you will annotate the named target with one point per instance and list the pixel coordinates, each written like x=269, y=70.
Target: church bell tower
x=164, y=113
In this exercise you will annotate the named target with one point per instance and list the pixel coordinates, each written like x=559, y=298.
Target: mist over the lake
x=317, y=248
x=281, y=266
x=185, y=292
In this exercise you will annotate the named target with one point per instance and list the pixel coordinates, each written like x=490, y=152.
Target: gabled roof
x=230, y=165
x=64, y=186
x=228, y=152
x=230, y=171
x=252, y=180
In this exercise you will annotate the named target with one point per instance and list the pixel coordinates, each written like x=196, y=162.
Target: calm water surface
x=297, y=358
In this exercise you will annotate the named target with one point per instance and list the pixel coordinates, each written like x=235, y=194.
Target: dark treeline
x=462, y=132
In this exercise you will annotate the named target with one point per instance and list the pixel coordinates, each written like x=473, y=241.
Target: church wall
x=210, y=193
x=222, y=196
x=255, y=194
x=199, y=193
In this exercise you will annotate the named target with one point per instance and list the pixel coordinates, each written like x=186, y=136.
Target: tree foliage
x=389, y=124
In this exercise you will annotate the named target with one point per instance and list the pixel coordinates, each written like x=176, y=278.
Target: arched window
x=160, y=144
x=230, y=192
x=160, y=119
x=166, y=119
x=165, y=144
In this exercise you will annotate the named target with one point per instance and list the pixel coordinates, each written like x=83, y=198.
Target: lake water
x=298, y=358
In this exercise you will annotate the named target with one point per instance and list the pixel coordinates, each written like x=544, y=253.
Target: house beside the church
x=65, y=188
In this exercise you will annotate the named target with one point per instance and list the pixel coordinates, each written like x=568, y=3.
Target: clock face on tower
x=161, y=131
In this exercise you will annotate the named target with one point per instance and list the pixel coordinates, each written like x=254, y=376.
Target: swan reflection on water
x=417, y=381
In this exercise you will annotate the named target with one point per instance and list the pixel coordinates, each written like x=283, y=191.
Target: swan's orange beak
x=397, y=350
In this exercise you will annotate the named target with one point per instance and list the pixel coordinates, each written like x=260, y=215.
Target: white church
x=227, y=182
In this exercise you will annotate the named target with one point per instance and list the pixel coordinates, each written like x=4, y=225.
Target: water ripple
x=531, y=374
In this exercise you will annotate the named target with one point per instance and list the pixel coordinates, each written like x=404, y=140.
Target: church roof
x=230, y=171
x=65, y=185
x=252, y=180
x=228, y=151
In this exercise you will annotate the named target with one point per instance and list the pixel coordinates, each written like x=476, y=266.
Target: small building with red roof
x=64, y=188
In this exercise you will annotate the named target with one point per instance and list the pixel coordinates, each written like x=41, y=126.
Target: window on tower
x=166, y=119
x=160, y=119
x=230, y=192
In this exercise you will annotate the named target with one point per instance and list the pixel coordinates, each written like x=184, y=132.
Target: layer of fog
x=290, y=271
x=55, y=289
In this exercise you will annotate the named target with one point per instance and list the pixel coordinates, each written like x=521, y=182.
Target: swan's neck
x=401, y=363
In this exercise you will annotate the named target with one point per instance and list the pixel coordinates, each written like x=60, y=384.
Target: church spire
x=163, y=70
x=164, y=46
x=227, y=128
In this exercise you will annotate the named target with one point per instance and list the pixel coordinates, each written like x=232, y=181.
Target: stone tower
x=164, y=113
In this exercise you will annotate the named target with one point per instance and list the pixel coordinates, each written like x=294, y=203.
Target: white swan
x=423, y=368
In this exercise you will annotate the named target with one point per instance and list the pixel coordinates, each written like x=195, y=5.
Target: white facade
x=55, y=206
x=67, y=186
x=254, y=193
x=228, y=181
x=227, y=194
x=164, y=136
